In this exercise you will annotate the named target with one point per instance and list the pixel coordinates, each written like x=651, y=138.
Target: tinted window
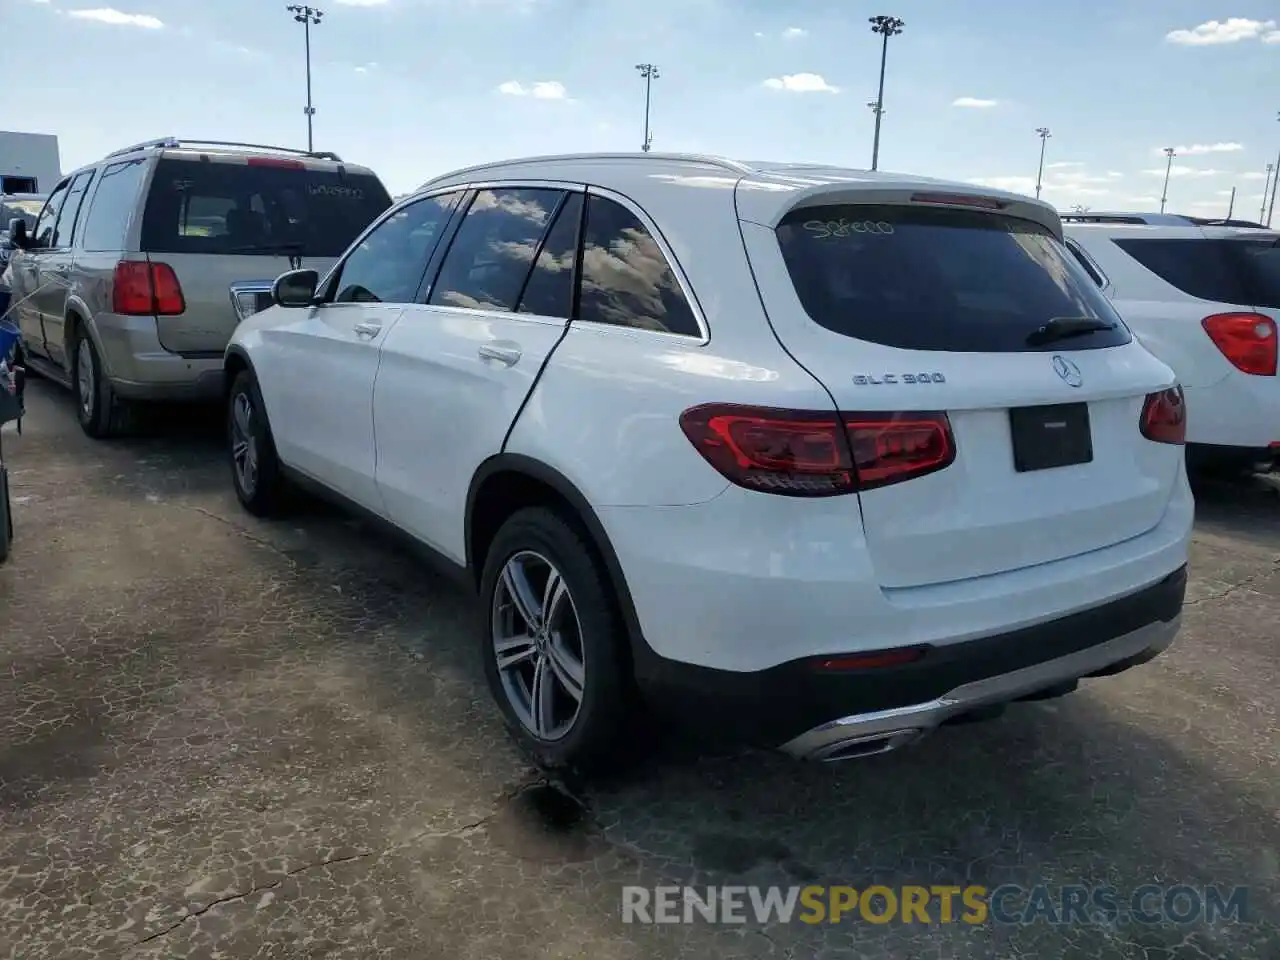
x=1243, y=271
x=388, y=264
x=197, y=207
x=626, y=280
x=64, y=232
x=924, y=278
x=549, y=289
x=112, y=205
x=49, y=217
x=494, y=247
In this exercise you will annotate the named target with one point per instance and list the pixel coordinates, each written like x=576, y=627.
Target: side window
x=112, y=206
x=388, y=264
x=49, y=216
x=63, y=231
x=549, y=289
x=493, y=250
x=1086, y=263
x=626, y=280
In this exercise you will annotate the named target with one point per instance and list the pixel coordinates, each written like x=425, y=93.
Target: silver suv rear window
x=238, y=208
x=928, y=278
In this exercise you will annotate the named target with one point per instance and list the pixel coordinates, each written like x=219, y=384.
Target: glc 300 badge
x=875, y=380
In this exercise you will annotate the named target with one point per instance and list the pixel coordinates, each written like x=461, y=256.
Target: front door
x=457, y=369
x=32, y=274
x=56, y=269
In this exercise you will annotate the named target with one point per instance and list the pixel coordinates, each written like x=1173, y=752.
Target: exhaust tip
x=858, y=747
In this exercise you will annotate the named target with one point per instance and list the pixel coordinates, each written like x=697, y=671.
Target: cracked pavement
x=229, y=738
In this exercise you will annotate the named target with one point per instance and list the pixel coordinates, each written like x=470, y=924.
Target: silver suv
x=141, y=265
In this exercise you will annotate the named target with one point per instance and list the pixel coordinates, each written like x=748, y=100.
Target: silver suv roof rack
x=174, y=143
x=731, y=166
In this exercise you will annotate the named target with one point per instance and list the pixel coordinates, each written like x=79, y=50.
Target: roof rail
x=176, y=143
x=732, y=166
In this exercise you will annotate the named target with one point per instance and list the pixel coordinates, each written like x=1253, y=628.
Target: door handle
x=508, y=356
x=366, y=329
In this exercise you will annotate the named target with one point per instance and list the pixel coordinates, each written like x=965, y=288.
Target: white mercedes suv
x=819, y=458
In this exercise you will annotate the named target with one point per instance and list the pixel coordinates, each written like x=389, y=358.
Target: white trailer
x=29, y=162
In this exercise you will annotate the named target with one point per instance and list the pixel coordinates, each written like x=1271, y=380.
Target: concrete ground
x=227, y=738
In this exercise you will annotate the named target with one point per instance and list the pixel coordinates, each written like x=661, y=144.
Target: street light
x=1164, y=195
x=649, y=73
x=1044, y=134
x=887, y=27
x=1272, y=209
x=1266, y=184
x=307, y=16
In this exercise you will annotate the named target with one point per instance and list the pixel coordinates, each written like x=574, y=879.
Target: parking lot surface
x=225, y=737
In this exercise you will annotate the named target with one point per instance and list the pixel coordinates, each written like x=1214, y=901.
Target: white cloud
x=973, y=102
x=540, y=90
x=794, y=33
x=1063, y=164
x=362, y=3
x=1143, y=201
x=1057, y=186
x=801, y=83
x=1272, y=37
x=1114, y=175
x=115, y=17
x=1180, y=171
x=1253, y=175
x=1231, y=30
x=1200, y=149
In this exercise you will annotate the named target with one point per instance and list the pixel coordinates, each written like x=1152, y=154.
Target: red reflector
x=1248, y=340
x=1164, y=416
x=140, y=289
x=803, y=453
x=959, y=200
x=797, y=453
x=892, y=447
x=871, y=661
x=276, y=162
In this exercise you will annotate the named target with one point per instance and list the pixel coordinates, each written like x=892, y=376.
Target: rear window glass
x=1241, y=271
x=924, y=278
x=223, y=208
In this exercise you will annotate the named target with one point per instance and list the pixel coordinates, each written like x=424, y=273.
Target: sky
x=415, y=88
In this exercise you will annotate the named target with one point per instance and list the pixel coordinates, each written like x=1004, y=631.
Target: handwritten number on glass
x=823, y=229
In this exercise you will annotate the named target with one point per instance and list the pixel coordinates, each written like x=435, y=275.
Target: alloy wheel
x=85, y=378
x=244, y=446
x=537, y=643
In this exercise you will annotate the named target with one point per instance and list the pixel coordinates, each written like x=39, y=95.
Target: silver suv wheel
x=86, y=378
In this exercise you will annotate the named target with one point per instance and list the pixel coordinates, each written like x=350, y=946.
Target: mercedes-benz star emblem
x=1068, y=371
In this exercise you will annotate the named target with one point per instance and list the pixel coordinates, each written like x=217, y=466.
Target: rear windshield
x=222, y=208
x=1238, y=270
x=924, y=278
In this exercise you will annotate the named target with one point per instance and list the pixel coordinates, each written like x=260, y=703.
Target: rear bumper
x=139, y=368
x=1239, y=411
x=811, y=712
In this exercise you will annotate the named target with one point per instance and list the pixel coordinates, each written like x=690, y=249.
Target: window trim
x=65, y=186
x=1076, y=247
x=90, y=173
x=704, y=334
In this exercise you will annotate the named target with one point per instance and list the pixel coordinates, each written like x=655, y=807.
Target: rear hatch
x=968, y=318
x=1237, y=273
x=226, y=219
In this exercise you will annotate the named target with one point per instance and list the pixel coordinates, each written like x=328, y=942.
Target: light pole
x=649, y=73
x=1272, y=209
x=1164, y=195
x=1044, y=135
x=1266, y=185
x=307, y=16
x=887, y=27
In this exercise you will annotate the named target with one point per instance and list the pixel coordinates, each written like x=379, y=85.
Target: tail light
x=141, y=289
x=959, y=200
x=1164, y=416
x=1248, y=340
x=802, y=453
x=283, y=163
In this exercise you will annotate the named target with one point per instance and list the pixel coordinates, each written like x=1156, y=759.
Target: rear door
x=992, y=427
x=458, y=367
x=234, y=219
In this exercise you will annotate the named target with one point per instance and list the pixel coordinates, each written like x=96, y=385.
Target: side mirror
x=297, y=288
x=18, y=233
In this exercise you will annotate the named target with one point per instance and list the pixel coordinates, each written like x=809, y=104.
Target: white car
x=817, y=457
x=1206, y=301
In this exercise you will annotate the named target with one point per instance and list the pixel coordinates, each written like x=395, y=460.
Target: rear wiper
x=1060, y=328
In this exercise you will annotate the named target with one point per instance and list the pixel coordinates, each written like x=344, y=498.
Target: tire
x=97, y=408
x=6, y=516
x=535, y=542
x=261, y=490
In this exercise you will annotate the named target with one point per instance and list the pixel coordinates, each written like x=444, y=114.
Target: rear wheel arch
x=509, y=482
x=233, y=363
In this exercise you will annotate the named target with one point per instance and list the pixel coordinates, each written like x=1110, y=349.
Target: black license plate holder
x=1046, y=437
